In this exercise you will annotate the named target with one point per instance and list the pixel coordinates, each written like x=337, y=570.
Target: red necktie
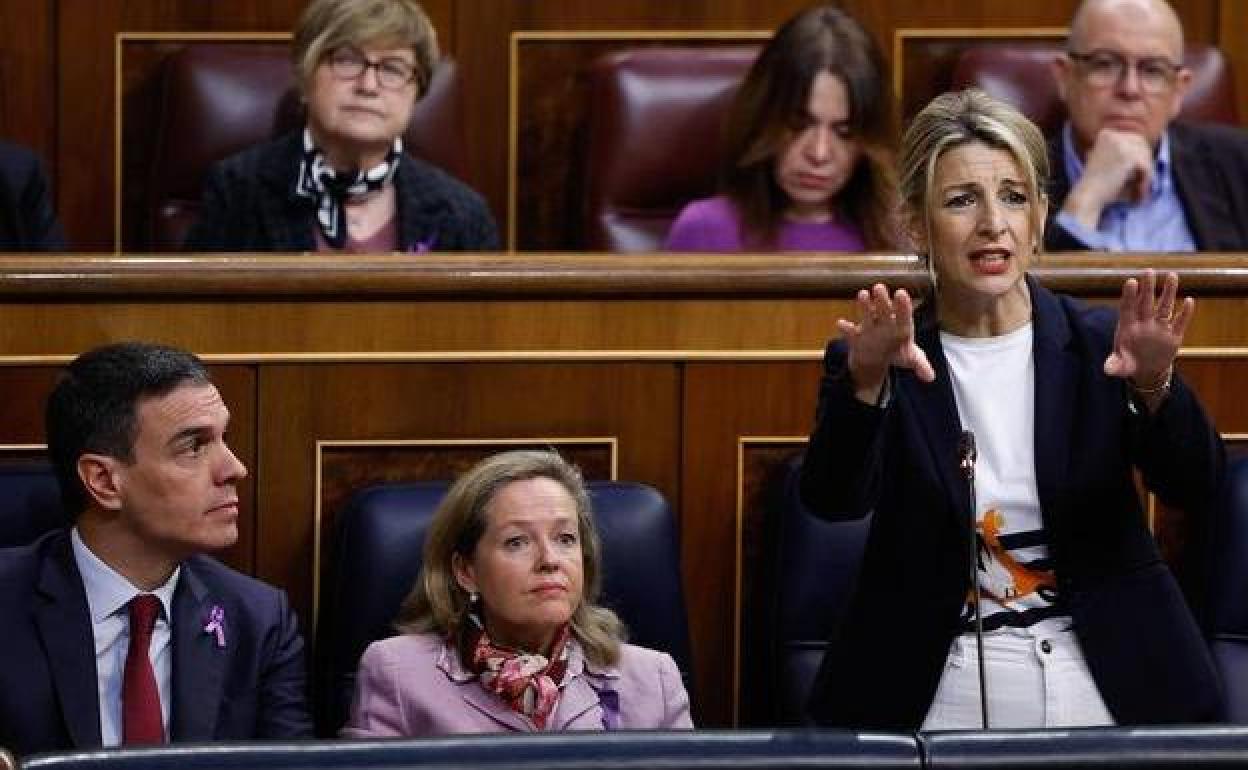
x=140, y=700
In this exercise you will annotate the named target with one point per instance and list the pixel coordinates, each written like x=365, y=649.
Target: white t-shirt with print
x=994, y=388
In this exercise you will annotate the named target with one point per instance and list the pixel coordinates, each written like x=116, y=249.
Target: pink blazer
x=414, y=685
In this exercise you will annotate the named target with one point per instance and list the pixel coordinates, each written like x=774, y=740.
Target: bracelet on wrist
x=1162, y=386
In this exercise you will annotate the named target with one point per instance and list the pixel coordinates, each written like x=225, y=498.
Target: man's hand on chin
x=1118, y=167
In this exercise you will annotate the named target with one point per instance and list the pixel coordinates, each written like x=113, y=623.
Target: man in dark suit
x=27, y=222
x=119, y=630
x=1126, y=176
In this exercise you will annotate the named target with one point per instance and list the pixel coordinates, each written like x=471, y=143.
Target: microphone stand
x=966, y=463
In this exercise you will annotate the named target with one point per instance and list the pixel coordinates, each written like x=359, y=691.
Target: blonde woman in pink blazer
x=501, y=632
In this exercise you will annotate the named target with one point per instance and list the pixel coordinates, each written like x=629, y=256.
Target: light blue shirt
x=1156, y=223
x=108, y=599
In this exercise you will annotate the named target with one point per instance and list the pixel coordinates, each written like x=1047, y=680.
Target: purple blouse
x=712, y=224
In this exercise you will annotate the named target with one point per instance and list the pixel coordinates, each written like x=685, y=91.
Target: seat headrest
x=655, y=122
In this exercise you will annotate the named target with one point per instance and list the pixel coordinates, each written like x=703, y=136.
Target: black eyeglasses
x=393, y=73
x=1103, y=69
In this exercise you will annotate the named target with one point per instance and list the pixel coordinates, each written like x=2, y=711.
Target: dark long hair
x=773, y=98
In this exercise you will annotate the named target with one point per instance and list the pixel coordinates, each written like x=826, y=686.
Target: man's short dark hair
x=94, y=404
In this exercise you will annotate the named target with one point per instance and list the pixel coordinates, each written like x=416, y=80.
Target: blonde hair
x=953, y=119
x=330, y=24
x=438, y=604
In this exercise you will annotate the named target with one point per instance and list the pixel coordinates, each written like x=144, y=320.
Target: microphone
x=966, y=463
x=966, y=454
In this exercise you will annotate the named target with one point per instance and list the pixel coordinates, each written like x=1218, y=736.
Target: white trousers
x=1040, y=681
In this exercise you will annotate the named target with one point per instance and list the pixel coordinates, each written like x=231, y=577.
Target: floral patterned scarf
x=527, y=682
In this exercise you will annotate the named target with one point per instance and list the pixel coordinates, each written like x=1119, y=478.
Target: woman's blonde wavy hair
x=957, y=118
x=437, y=603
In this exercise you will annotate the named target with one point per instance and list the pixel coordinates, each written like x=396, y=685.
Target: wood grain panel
x=1219, y=382
x=635, y=403
x=723, y=403
x=1231, y=37
x=25, y=390
x=532, y=328
x=29, y=77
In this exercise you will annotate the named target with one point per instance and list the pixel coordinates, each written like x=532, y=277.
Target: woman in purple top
x=808, y=148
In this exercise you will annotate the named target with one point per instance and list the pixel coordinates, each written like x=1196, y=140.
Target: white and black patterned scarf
x=332, y=189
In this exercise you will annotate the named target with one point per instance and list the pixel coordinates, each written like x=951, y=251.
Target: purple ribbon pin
x=216, y=624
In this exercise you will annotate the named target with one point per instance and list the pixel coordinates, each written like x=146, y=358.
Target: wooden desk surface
x=694, y=373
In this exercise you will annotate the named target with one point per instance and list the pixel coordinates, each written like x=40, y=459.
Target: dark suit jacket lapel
x=938, y=412
x=1206, y=199
x=286, y=217
x=198, y=663
x=1059, y=185
x=1056, y=377
x=64, y=623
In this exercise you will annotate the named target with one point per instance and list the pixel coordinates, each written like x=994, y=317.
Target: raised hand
x=1150, y=330
x=882, y=337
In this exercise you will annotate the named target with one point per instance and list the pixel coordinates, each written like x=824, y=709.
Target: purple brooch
x=216, y=624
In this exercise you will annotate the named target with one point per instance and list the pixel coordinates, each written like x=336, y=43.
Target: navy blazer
x=27, y=221
x=250, y=204
x=252, y=688
x=1142, y=643
x=1210, y=165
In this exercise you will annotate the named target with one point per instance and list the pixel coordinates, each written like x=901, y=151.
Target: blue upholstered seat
x=30, y=502
x=1228, y=596
x=816, y=568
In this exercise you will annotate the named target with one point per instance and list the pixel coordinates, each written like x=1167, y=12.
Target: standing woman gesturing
x=1083, y=622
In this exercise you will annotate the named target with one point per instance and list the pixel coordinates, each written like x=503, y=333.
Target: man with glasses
x=1126, y=176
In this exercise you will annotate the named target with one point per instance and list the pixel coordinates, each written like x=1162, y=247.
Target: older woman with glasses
x=343, y=183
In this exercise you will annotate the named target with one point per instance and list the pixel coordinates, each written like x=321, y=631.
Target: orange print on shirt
x=1001, y=577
